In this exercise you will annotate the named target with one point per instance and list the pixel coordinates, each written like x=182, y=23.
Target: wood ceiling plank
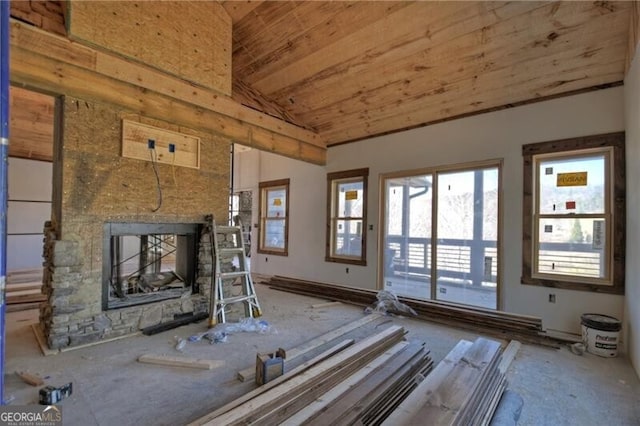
x=476, y=61
x=33, y=69
x=403, y=51
x=239, y=9
x=503, y=44
x=115, y=67
x=299, y=21
x=260, y=20
x=393, y=31
x=317, y=35
x=547, y=80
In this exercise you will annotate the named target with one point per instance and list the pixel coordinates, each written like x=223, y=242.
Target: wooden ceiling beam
x=58, y=65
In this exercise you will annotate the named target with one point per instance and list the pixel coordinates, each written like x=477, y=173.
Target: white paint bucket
x=600, y=334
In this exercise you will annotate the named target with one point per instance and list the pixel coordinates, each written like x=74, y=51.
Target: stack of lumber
x=24, y=289
x=464, y=389
x=349, y=383
x=498, y=324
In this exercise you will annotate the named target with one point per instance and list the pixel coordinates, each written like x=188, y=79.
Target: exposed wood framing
x=57, y=65
x=634, y=33
x=31, y=125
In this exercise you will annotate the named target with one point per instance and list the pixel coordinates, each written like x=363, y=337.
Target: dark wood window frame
x=363, y=174
x=262, y=211
x=617, y=261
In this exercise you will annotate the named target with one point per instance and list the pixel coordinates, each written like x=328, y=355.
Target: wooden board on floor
x=181, y=361
x=30, y=379
x=270, y=385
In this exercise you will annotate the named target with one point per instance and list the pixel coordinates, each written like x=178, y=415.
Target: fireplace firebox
x=148, y=262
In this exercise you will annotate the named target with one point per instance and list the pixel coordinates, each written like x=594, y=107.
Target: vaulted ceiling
x=351, y=70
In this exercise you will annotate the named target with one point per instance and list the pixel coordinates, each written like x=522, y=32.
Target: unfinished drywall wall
x=494, y=135
x=98, y=185
x=28, y=208
x=632, y=128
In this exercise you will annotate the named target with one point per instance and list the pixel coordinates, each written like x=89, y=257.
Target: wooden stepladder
x=228, y=247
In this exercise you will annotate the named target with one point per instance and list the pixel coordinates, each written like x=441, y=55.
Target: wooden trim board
x=135, y=144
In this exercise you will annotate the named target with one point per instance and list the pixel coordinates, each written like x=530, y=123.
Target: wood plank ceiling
x=351, y=70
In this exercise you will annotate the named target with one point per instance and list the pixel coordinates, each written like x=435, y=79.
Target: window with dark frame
x=347, y=217
x=273, y=231
x=574, y=213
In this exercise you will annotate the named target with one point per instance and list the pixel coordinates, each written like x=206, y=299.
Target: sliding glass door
x=440, y=234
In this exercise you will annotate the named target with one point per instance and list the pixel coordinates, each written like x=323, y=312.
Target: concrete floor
x=111, y=388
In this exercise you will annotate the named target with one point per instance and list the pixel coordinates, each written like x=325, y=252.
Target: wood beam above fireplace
x=55, y=64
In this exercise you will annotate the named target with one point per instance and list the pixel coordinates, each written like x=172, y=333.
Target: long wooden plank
x=249, y=373
x=272, y=384
x=410, y=406
x=429, y=308
x=338, y=392
x=457, y=389
x=380, y=394
x=314, y=388
x=254, y=409
x=181, y=361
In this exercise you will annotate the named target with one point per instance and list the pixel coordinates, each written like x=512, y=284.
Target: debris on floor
x=180, y=361
x=31, y=379
x=388, y=303
x=50, y=395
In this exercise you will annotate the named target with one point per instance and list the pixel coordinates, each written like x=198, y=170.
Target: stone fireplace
x=115, y=261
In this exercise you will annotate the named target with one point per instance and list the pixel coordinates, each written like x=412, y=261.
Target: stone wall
x=97, y=185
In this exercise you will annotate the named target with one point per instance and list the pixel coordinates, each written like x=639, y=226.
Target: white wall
x=28, y=208
x=632, y=123
x=494, y=135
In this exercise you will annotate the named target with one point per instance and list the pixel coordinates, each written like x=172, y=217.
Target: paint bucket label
x=600, y=339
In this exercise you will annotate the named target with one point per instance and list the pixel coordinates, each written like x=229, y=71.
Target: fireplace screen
x=144, y=263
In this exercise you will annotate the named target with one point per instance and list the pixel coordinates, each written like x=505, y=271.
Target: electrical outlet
x=552, y=298
x=151, y=143
x=172, y=147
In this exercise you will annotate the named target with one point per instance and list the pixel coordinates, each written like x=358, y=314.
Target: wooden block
x=325, y=305
x=29, y=378
x=180, y=361
x=135, y=144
